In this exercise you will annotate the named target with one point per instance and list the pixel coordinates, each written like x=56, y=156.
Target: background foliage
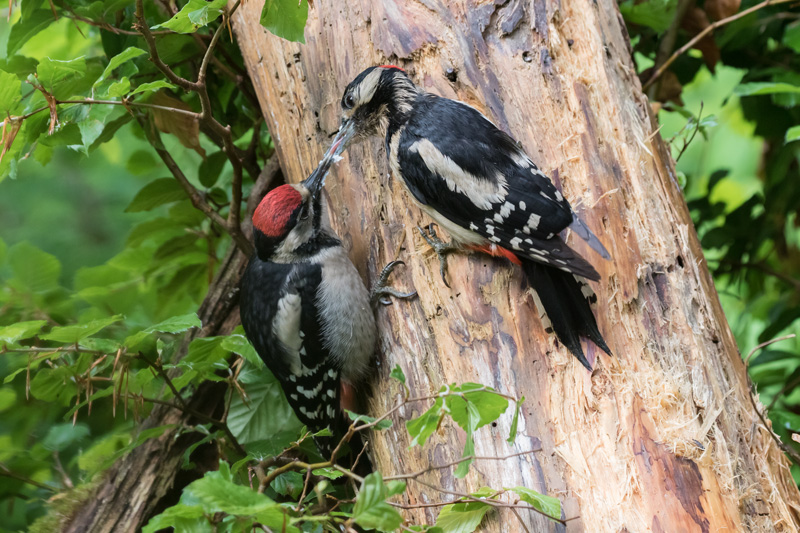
x=104, y=258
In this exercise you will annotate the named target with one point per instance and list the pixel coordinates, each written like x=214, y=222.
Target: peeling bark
x=661, y=437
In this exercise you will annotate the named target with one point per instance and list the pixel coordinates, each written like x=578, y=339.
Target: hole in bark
x=679, y=260
x=570, y=42
x=526, y=57
x=494, y=424
x=451, y=74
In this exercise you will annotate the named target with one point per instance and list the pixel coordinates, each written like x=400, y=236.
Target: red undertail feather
x=497, y=251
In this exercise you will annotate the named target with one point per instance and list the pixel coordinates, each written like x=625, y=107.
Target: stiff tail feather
x=568, y=308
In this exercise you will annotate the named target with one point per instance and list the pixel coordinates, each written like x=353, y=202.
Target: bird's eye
x=304, y=212
x=349, y=101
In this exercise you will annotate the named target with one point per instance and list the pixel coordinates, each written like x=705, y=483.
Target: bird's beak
x=346, y=131
x=316, y=180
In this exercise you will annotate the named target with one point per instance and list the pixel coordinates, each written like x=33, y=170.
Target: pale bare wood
x=660, y=438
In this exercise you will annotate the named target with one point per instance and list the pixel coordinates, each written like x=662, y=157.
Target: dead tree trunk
x=662, y=437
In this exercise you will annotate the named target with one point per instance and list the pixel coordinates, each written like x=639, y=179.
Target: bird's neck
x=404, y=94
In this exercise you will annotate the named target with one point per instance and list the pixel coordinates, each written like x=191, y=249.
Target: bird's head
x=374, y=98
x=289, y=216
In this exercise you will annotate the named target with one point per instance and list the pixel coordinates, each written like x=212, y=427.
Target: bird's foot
x=441, y=248
x=381, y=291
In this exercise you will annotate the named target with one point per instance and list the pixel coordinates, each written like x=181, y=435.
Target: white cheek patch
x=366, y=89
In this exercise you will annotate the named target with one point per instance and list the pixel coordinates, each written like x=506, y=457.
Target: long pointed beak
x=346, y=131
x=316, y=180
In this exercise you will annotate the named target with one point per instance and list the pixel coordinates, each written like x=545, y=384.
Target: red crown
x=392, y=66
x=274, y=211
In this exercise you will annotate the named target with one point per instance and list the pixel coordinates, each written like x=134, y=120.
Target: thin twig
x=431, y=468
x=788, y=450
x=680, y=51
x=141, y=26
x=5, y=472
x=765, y=344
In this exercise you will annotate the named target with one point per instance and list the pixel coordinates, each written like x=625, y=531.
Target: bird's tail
x=567, y=303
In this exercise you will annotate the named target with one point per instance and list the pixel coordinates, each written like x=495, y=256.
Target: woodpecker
x=475, y=181
x=306, y=311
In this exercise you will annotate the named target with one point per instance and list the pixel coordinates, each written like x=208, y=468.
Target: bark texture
x=661, y=437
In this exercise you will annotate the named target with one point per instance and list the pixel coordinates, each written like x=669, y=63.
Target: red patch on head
x=274, y=211
x=497, y=251
x=392, y=66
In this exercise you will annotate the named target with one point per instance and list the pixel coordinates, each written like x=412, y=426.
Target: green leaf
x=152, y=86
x=157, y=192
x=289, y=484
x=8, y=398
x=181, y=517
x=488, y=403
x=656, y=14
x=117, y=60
x=218, y=494
x=791, y=36
x=758, y=88
x=119, y=88
x=62, y=436
x=20, y=330
x=177, y=324
x=364, y=419
x=51, y=384
x=10, y=92
x=547, y=504
x=286, y=18
x=239, y=344
x=462, y=517
x=211, y=168
x=793, y=134
x=92, y=126
x=422, y=427
x=397, y=373
x=76, y=332
x=329, y=473
x=37, y=270
x=52, y=72
x=194, y=15
x=266, y=415
x=371, y=510
x=30, y=25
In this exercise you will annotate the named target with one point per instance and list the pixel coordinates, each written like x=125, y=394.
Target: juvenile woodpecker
x=476, y=182
x=306, y=311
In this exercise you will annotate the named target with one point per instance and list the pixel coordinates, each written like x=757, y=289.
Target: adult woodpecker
x=306, y=311
x=476, y=182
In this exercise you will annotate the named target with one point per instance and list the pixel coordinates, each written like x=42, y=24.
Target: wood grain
x=661, y=437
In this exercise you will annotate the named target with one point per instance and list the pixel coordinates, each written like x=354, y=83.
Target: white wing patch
x=482, y=192
x=286, y=328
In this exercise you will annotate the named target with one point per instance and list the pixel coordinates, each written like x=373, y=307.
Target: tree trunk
x=661, y=437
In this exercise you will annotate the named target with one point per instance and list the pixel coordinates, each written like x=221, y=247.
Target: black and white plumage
x=476, y=182
x=306, y=311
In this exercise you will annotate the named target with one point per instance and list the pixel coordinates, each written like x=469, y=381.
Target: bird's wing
x=291, y=346
x=457, y=162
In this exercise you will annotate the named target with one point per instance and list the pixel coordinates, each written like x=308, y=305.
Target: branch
x=5, y=472
x=194, y=195
x=197, y=414
x=431, y=468
x=788, y=450
x=680, y=51
x=141, y=26
x=668, y=40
